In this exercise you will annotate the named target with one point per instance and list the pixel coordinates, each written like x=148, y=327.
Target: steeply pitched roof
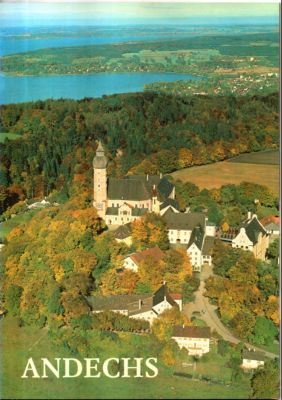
x=170, y=202
x=153, y=253
x=253, y=229
x=135, y=187
x=127, y=189
x=161, y=294
x=197, y=237
x=208, y=244
x=191, y=332
x=253, y=355
x=123, y=231
x=183, y=221
x=164, y=188
x=100, y=160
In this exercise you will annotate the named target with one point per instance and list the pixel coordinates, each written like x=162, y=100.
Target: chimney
x=249, y=215
x=139, y=304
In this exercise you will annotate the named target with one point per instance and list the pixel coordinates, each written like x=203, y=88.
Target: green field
x=7, y=135
x=21, y=343
x=7, y=226
x=225, y=172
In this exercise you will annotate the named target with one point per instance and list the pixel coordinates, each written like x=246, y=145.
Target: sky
x=66, y=13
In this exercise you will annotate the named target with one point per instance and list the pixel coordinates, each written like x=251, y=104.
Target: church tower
x=100, y=181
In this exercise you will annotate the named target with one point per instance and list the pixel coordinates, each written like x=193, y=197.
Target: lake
x=18, y=89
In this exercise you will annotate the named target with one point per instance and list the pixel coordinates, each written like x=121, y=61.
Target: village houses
x=195, y=339
x=134, y=260
x=122, y=201
x=252, y=359
x=137, y=306
x=252, y=236
x=271, y=224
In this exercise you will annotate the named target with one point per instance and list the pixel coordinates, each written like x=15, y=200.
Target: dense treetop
x=142, y=132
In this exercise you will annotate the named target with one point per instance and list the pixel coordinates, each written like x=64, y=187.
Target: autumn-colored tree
x=152, y=273
x=113, y=282
x=139, y=233
x=162, y=326
x=245, y=269
x=225, y=227
x=272, y=309
x=243, y=323
x=184, y=158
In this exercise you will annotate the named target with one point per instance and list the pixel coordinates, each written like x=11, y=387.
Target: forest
x=143, y=133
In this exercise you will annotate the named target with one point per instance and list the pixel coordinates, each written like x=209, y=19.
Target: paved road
x=209, y=315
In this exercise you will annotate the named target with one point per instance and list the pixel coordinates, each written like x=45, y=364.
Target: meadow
x=7, y=226
x=9, y=136
x=255, y=167
x=28, y=342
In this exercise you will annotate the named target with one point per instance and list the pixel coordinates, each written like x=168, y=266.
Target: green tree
x=264, y=331
x=13, y=299
x=266, y=382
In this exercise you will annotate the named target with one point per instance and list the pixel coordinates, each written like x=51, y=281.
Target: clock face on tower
x=99, y=206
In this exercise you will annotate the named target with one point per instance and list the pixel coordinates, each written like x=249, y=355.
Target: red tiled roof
x=176, y=296
x=270, y=218
x=154, y=253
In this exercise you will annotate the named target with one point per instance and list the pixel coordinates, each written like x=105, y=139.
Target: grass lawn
x=273, y=347
x=199, y=322
x=224, y=172
x=21, y=343
x=8, y=135
x=7, y=226
x=211, y=364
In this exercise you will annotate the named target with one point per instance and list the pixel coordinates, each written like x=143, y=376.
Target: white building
x=138, y=306
x=271, y=224
x=134, y=260
x=124, y=234
x=120, y=201
x=199, y=249
x=194, y=339
x=194, y=230
x=252, y=236
x=252, y=359
x=181, y=225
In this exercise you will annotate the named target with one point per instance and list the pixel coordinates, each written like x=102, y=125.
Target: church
x=121, y=201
